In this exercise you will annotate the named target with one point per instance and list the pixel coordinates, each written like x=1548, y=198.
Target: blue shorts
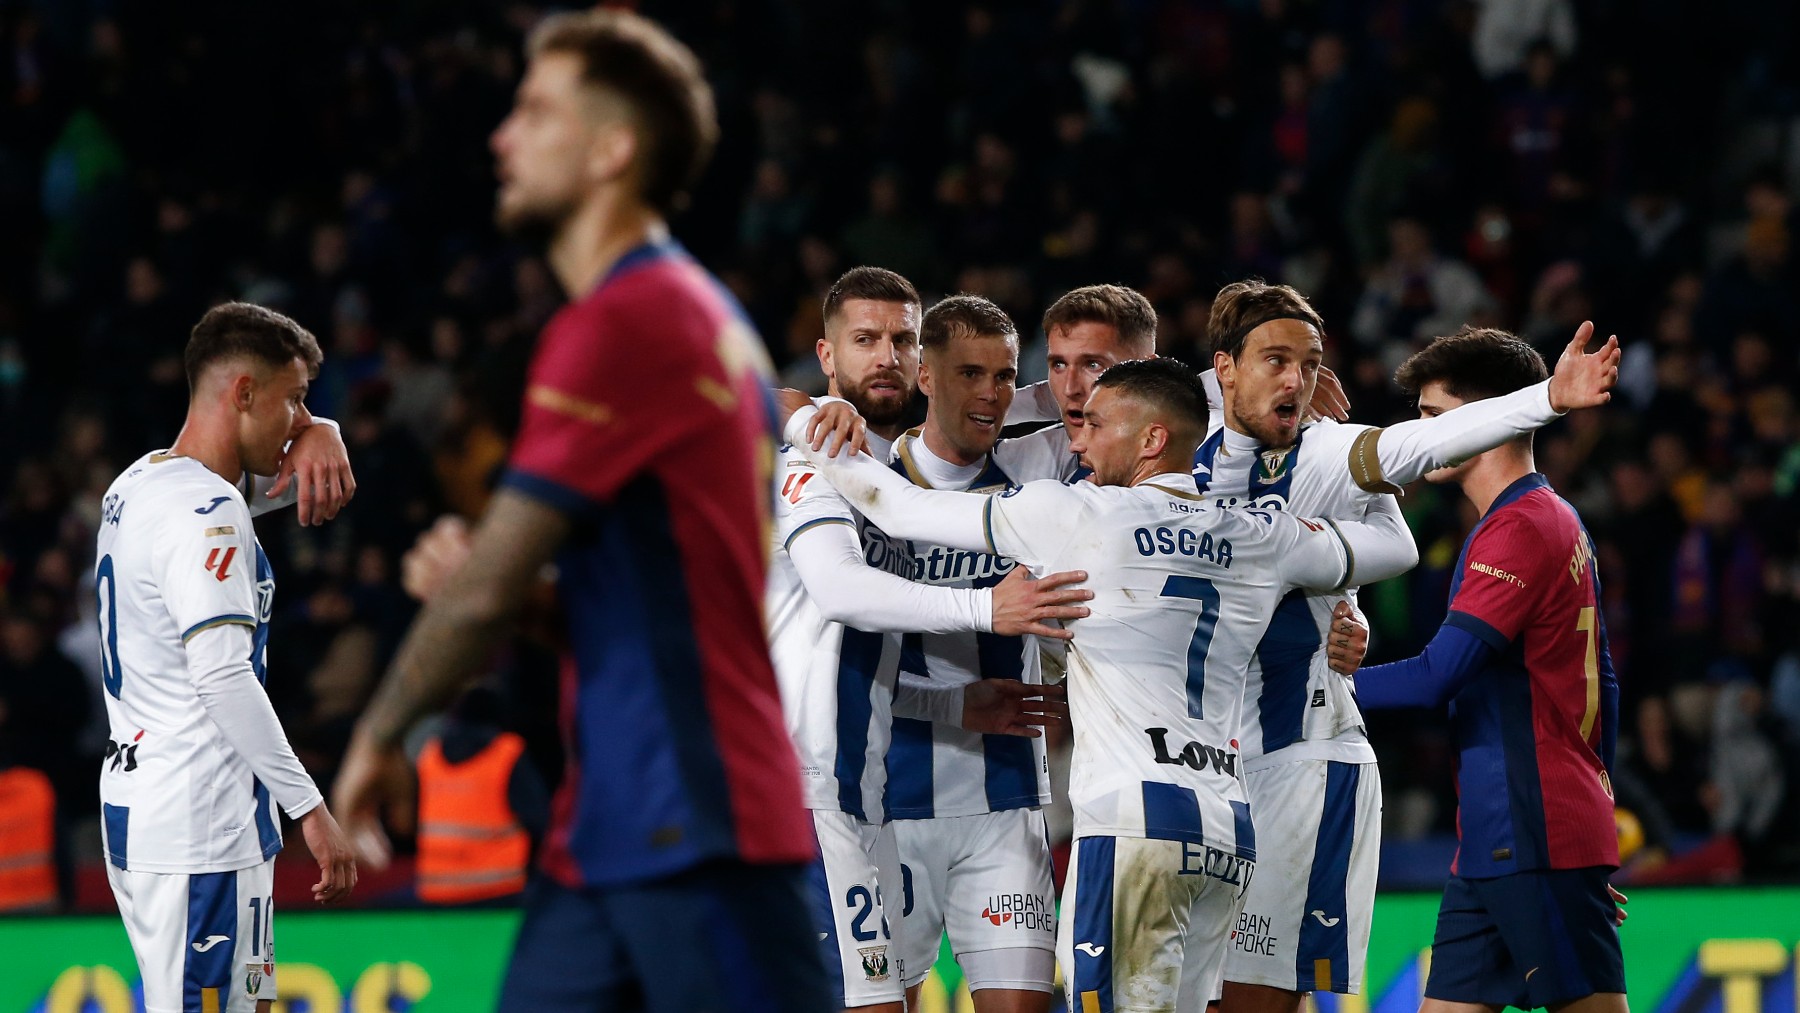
x=722, y=938
x=1528, y=939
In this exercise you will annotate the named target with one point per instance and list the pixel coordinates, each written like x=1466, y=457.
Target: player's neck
x=601, y=231
x=1492, y=474
x=944, y=451
x=1156, y=466
x=211, y=445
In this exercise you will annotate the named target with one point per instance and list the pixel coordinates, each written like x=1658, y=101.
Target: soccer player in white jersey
x=840, y=596
x=198, y=758
x=974, y=855
x=1164, y=844
x=1308, y=764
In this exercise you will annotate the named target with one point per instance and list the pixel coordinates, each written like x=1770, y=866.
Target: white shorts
x=986, y=880
x=1305, y=926
x=194, y=932
x=857, y=869
x=1145, y=923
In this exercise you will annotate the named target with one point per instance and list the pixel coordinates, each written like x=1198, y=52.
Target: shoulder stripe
x=1365, y=463
x=815, y=522
x=563, y=403
x=216, y=621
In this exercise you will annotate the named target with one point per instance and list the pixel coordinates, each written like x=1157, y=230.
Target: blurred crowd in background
x=1411, y=165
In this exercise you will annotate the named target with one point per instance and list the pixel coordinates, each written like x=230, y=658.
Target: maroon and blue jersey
x=648, y=421
x=1534, y=731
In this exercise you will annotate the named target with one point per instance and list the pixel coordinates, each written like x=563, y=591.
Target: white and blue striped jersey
x=1291, y=695
x=1183, y=592
x=836, y=681
x=935, y=768
x=176, y=556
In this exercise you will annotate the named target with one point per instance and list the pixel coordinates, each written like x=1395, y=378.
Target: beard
x=1271, y=437
x=534, y=225
x=884, y=411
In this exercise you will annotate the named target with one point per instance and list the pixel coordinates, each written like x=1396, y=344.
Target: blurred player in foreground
x=1183, y=592
x=671, y=875
x=1528, y=917
x=196, y=754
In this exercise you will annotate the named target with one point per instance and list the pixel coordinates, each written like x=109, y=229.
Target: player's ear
x=826, y=365
x=925, y=376
x=612, y=151
x=1156, y=439
x=1225, y=369
x=243, y=392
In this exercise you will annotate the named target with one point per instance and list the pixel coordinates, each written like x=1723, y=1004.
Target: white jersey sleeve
x=1034, y=522
x=1034, y=402
x=225, y=681
x=1040, y=455
x=205, y=566
x=1383, y=460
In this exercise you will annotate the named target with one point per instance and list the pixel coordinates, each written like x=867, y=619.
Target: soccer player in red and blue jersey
x=1528, y=917
x=671, y=878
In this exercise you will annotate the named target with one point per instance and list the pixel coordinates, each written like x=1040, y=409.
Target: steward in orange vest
x=27, y=841
x=480, y=805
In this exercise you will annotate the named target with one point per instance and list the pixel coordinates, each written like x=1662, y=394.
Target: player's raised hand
x=329, y=845
x=437, y=554
x=370, y=777
x=839, y=424
x=1348, y=641
x=1583, y=379
x=1022, y=604
x=319, y=461
x=1329, y=400
x=1011, y=707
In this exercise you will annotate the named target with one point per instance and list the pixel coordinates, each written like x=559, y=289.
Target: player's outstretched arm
x=1381, y=545
x=903, y=510
x=447, y=644
x=1383, y=460
x=314, y=474
x=1447, y=664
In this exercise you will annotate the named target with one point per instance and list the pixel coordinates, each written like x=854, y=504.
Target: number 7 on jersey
x=1201, y=590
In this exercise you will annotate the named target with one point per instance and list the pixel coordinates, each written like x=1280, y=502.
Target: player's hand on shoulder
x=330, y=847
x=1348, y=640
x=438, y=554
x=837, y=425
x=320, y=462
x=787, y=402
x=1023, y=604
x=1011, y=707
x=1585, y=379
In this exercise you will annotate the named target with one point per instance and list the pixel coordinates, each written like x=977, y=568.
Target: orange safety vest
x=27, y=835
x=471, y=846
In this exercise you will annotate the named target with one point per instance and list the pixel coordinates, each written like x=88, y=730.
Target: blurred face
x=1435, y=400
x=1078, y=355
x=275, y=414
x=870, y=353
x=1117, y=434
x=1270, y=383
x=548, y=151
x=970, y=383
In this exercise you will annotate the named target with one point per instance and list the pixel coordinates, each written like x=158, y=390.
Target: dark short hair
x=658, y=78
x=1123, y=309
x=877, y=283
x=1243, y=306
x=1472, y=364
x=1169, y=386
x=963, y=316
x=245, y=330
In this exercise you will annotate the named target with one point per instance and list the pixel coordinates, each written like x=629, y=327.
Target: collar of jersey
x=1517, y=490
x=1175, y=484
x=641, y=255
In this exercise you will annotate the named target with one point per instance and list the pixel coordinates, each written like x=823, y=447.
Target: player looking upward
x=196, y=758
x=1182, y=593
x=1314, y=789
x=840, y=596
x=671, y=875
x=1528, y=918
